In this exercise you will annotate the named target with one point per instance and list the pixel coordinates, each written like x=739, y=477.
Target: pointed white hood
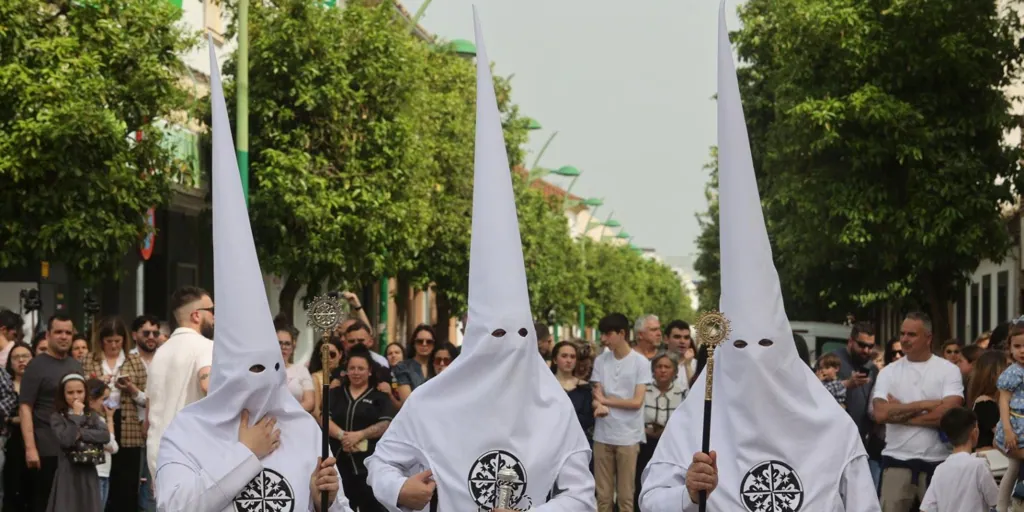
x=498, y=402
x=248, y=371
x=767, y=402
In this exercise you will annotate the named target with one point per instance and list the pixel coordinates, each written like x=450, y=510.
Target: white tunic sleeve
x=664, y=489
x=180, y=487
x=857, y=489
x=576, y=486
x=388, y=468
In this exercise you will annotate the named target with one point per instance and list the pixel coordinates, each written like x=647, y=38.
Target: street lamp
x=623, y=234
x=565, y=170
x=532, y=124
x=464, y=48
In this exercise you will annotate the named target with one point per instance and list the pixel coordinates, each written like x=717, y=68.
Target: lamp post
x=610, y=223
x=542, y=150
x=242, y=98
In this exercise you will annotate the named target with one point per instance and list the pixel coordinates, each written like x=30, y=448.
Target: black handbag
x=85, y=453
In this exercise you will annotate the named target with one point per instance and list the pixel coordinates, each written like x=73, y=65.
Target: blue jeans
x=876, y=474
x=104, y=489
x=146, y=501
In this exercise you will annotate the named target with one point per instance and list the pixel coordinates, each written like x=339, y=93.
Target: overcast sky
x=628, y=88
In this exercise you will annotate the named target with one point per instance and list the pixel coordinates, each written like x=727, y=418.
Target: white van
x=820, y=337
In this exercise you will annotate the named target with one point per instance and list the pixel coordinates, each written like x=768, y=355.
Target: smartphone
x=863, y=371
x=122, y=380
x=110, y=404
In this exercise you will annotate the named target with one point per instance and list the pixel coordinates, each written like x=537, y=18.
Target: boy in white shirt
x=963, y=482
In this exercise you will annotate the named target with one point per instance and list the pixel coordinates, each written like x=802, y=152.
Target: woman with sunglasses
x=316, y=364
x=415, y=369
x=441, y=358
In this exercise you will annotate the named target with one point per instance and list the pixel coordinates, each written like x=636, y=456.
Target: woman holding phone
x=124, y=373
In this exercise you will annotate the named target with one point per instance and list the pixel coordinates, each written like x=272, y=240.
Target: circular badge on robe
x=268, y=492
x=772, y=486
x=483, y=478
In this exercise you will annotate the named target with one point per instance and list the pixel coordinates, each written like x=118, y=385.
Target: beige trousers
x=899, y=492
x=614, y=472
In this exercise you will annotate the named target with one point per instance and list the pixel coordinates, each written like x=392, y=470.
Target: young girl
x=1010, y=431
x=81, y=434
x=98, y=392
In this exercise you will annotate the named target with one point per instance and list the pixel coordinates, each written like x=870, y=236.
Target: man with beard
x=38, y=391
x=858, y=373
x=148, y=338
x=180, y=372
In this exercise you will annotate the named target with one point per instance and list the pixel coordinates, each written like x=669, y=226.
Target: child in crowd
x=963, y=482
x=81, y=434
x=1010, y=430
x=98, y=392
x=827, y=371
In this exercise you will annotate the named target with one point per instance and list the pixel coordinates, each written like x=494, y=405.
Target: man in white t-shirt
x=180, y=372
x=910, y=397
x=620, y=379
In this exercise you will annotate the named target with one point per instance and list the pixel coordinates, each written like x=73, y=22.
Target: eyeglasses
x=424, y=341
x=443, y=361
x=866, y=346
x=897, y=353
x=150, y=334
x=22, y=357
x=332, y=354
x=210, y=309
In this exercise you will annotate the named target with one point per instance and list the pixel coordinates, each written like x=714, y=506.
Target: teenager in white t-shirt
x=180, y=371
x=620, y=380
x=910, y=397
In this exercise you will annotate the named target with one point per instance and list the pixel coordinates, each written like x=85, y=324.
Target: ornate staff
x=324, y=314
x=712, y=328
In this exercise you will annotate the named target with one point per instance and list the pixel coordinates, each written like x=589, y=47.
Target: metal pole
x=604, y=225
x=540, y=154
x=568, y=191
x=583, y=321
x=382, y=340
x=419, y=14
x=242, y=98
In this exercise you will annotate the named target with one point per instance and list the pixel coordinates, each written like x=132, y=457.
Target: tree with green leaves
x=621, y=280
x=554, y=264
x=446, y=121
x=877, y=133
x=78, y=81
x=339, y=167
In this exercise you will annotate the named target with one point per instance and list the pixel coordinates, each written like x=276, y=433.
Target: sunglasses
x=332, y=354
x=150, y=334
x=424, y=341
x=210, y=309
x=866, y=346
x=952, y=352
x=897, y=353
x=444, y=361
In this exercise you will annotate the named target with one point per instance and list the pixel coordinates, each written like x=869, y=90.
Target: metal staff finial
x=712, y=328
x=324, y=314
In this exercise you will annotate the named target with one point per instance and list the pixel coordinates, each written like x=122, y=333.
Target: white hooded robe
x=783, y=442
x=202, y=466
x=498, y=405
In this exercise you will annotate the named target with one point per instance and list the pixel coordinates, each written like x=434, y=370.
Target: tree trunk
x=937, y=293
x=401, y=310
x=287, y=297
x=444, y=315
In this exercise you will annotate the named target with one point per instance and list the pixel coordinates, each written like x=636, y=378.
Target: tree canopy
x=78, y=81
x=877, y=134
